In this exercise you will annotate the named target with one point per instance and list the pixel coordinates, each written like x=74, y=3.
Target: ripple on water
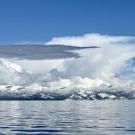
x=67, y=117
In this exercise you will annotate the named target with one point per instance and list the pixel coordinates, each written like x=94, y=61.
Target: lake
x=67, y=117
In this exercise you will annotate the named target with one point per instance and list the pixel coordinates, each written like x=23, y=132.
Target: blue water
x=67, y=117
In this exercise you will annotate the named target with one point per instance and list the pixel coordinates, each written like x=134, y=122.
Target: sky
x=66, y=28
x=37, y=21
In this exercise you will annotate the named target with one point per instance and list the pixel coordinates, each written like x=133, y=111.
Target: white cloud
x=94, y=67
x=90, y=39
x=103, y=62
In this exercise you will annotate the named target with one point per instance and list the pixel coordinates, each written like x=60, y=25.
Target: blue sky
x=40, y=20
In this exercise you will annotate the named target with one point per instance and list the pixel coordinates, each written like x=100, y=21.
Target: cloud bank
x=111, y=63
x=105, y=62
x=44, y=72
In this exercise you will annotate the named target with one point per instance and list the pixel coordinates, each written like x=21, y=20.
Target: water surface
x=67, y=117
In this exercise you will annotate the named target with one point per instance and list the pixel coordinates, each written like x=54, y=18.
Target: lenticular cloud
x=105, y=71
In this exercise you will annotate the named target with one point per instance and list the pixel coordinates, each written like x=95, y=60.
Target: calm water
x=67, y=117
